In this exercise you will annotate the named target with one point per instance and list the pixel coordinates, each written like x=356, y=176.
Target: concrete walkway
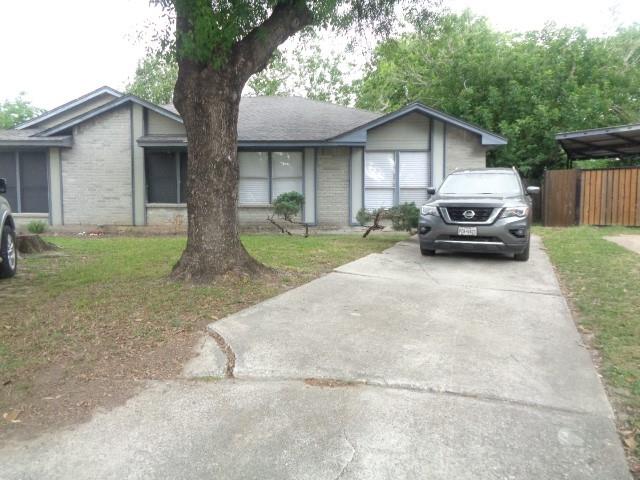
x=393, y=366
x=630, y=242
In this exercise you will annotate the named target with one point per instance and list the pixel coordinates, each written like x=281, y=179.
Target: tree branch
x=253, y=52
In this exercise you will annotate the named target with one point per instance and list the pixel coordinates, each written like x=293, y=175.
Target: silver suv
x=480, y=210
x=8, y=254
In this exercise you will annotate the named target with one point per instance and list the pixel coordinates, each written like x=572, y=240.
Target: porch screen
x=286, y=173
x=254, y=177
x=414, y=177
x=379, y=180
x=27, y=180
x=8, y=172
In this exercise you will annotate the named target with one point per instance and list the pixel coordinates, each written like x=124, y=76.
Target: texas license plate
x=468, y=231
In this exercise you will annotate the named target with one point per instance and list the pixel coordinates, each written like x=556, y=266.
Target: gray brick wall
x=333, y=187
x=96, y=171
x=464, y=150
x=173, y=216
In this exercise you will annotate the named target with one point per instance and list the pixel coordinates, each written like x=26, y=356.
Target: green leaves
x=154, y=79
x=16, y=111
x=288, y=205
x=527, y=87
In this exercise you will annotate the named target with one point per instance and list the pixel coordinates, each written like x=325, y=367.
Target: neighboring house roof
x=69, y=105
x=608, y=142
x=263, y=120
x=25, y=137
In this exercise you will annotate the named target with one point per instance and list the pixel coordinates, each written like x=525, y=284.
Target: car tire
x=522, y=256
x=427, y=252
x=8, y=252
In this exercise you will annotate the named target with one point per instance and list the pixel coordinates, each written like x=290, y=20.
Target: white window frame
x=270, y=153
x=396, y=158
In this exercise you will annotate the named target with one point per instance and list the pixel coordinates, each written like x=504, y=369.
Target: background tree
x=16, y=111
x=155, y=78
x=305, y=70
x=219, y=46
x=528, y=87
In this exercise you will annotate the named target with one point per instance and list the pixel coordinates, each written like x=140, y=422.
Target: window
x=265, y=175
x=27, y=180
x=286, y=173
x=379, y=180
x=166, y=173
x=414, y=177
x=395, y=177
x=254, y=177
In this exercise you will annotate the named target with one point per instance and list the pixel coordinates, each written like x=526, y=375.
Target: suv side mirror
x=533, y=190
x=431, y=190
x=3, y=185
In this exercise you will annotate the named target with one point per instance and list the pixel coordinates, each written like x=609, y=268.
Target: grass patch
x=102, y=308
x=603, y=280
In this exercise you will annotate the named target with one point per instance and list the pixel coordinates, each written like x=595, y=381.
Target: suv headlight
x=429, y=210
x=520, y=212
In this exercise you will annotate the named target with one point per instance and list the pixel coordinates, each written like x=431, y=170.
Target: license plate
x=468, y=231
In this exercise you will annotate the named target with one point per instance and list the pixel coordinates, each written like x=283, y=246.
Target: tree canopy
x=527, y=87
x=16, y=111
x=154, y=79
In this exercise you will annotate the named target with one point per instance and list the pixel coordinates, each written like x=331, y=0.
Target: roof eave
x=173, y=141
x=69, y=105
x=487, y=138
x=63, y=142
x=105, y=108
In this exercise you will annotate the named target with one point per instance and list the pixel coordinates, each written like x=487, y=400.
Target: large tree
x=526, y=86
x=219, y=45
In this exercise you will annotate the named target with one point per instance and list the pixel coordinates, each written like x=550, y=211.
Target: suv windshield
x=481, y=183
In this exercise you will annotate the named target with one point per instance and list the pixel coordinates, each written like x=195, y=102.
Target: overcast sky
x=57, y=51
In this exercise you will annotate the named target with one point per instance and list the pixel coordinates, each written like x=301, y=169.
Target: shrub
x=404, y=217
x=288, y=205
x=363, y=217
x=37, y=226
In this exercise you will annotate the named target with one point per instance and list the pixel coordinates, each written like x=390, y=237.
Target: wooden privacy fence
x=592, y=197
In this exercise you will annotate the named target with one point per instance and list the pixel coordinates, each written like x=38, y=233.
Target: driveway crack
x=348, y=462
x=226, y=349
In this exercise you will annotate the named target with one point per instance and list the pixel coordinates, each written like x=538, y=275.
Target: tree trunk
x=209, y=104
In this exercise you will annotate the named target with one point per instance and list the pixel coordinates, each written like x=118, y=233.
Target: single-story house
x=108, y=158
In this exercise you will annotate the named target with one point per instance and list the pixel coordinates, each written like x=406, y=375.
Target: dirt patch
x=69, y=392
x=630, y=242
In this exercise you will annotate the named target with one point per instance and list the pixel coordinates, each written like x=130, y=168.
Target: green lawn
x=103, y=307
x=603, y=280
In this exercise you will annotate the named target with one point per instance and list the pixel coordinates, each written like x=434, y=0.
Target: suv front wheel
x=8, y=253
x=522, y=256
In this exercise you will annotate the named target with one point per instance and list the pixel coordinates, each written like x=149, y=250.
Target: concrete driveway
x=393, y=366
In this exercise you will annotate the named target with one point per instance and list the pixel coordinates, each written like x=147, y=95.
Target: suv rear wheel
x=8, y=253
x=523, y=256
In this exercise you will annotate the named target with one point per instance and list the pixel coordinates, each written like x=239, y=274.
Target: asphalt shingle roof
x=26, y=137
x=295, y=119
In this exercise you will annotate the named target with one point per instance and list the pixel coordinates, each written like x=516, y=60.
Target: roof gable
x=68, y=107
x=105, y=108
x=359, y=134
